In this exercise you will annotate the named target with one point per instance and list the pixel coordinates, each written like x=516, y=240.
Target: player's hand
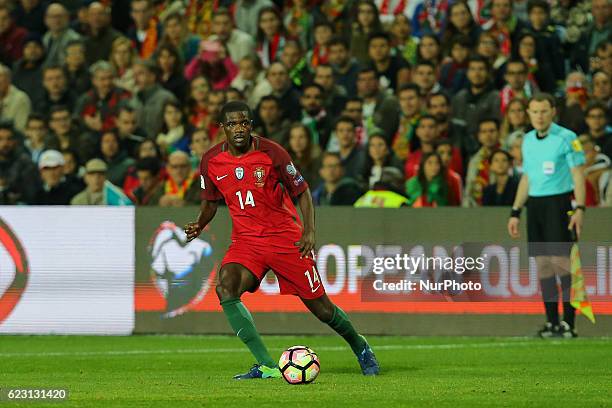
x=513, y=227
x=192, y=230
x=306, y=243
x=576, y=222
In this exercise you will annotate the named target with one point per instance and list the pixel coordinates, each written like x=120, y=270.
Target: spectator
x=515, y=120
x=11, y=37
x=211, y=122
x=238, y=43
x=214, y=64
x=18, y=175
x=602, y=90
x=30, y=14
x=247, y=12
x=298, y=20
x=515, y=144
x=596, y=172
x=14, y=104
x=453, y=73
x=386, y=192
x=336, y=189
x=391, y=8
x=427, y=136
x=379, y=109
x=72, y=170
x=599, y=130
x=429, y=187
x=445, y=149
x=294, y=60
x=37, y=138
x=345, y=67
x=600, y=30
x=181, y=187
x=479, y=100
x=249, y=74
x=279, y=84
x=411, y=109
x=429, y=50
x=175, y=133
x=122, y=57
x=304, y=153
x=403, y=41
x=479, y=174
x=150, y=98
x=55, y=188
x=99, y=40
x=68, y=135
x=439, y=106
x=460, y=22
x=55, y=91
x=27, y=72
x=98, y=190
x=146, y=32
x=169, y=65
x=130, y=136
x=200, y=143
x=428, y=18
x=314, y=116
x=59, y=35
x=271, y=35
x=503, y=190
x=334, y=95
x=353, y=108
x=548, y=42
x=488, y=47
x=117, y=160
x=379, y=157
x=424, y=77
x=392, y=70
x=149, y=181
x=570, y=108
x=504, y=25
x=323, y=32
x=352, y=156
x=517, y=84
x=76, y=69
x=197, y=110
x=176, y=34
x=366, y=22
x=273, y=126
x=98, y=107
x=539, y=70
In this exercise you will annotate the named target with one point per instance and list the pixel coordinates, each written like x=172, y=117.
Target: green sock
x=342, y=325
x=242, y=322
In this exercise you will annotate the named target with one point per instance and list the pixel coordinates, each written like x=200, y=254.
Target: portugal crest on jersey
x=259, y=174
x=239, y=173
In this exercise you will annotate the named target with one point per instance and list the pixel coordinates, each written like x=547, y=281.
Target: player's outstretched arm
x=208, y=209
x=307, y=242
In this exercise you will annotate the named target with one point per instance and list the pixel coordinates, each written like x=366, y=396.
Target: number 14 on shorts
x=313, y=280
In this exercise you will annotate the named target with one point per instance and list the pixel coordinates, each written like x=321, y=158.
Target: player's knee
x=323, y=313
x=227, y=290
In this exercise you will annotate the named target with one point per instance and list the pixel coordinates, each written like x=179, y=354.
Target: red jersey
x=258, y=188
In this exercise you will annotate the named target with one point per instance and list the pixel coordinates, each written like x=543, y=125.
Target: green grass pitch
x=196, y=371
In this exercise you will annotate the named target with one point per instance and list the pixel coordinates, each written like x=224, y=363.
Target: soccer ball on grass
x=299, y=365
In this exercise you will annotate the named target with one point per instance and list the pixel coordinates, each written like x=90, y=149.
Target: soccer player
x=257, y=180
x=552, y=160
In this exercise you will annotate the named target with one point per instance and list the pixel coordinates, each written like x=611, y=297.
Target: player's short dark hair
x=409, y=87
x=379, y=35
x=541, y=97
x=488, y=119
x=345, y=119
x=542, y=4
x=235, y=106
x=338, y=40
x=150, y=164
x=500, y=151
x=439, y=93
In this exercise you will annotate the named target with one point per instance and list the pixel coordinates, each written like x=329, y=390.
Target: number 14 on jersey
x=248, y=199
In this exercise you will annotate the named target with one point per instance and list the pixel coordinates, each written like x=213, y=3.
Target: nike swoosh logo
x=221, y=178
